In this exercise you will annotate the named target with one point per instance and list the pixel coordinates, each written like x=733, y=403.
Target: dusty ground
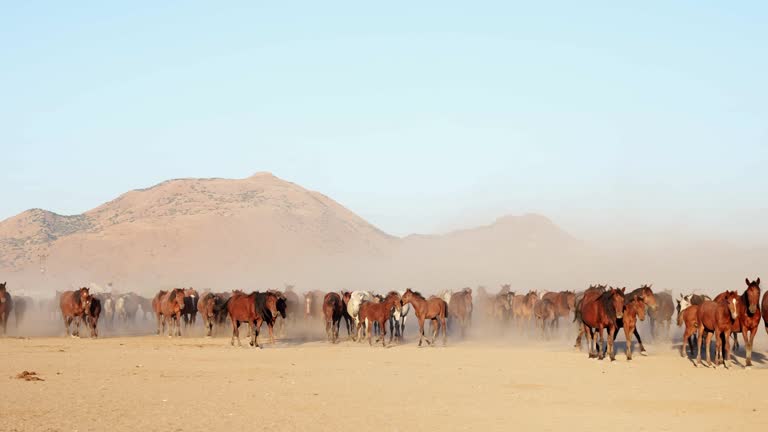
x=155, y=383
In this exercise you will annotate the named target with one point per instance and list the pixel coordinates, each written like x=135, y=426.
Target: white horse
x=445, y=295
x=397, y=320
x=353, y=309
x=109, y=310
x=120, y=312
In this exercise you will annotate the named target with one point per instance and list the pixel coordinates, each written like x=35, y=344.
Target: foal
x=380, y=313
x=434, y=309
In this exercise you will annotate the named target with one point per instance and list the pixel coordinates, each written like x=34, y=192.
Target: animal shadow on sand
x=738, y=354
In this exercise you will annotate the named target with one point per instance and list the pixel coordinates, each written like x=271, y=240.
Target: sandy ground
x=194, y=383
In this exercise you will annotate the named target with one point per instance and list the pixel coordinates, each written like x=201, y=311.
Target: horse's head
x=649, y=298
x=2, y=292
x=176, y=299
x=406, y=297
x=281, y=305
x=271, y=303
x=208, y=304
x=616, y=297
x=732, y=299
x=346, y=296
x=639, y=306
x=752, y=295
x=531, y=298
x=394, y=300
x=84, y=295
x=683, y=302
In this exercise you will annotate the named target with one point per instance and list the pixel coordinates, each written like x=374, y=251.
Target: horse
x=191, y=297
x=380, y=313
x=434, y=309
x=353, y=309
x=333, y=311
x=345, y=297
x=92, y=318
x=522, y=309
x=601, y=313
x=718, y=317
x=460, y=309
x=649, y=300
x=254, y=308
x=6, y=306
x=688, y=316
x=210, y=307
x=146, y=306
x=500, y=306
x=634, y=309
x=749, y=316
x=20, y=306
x=74, y=305
x=564, y=302
x=108, y=307
x=662, y=314
x=169, y=305
x=590, y=294
x=544, y=311
x=292, y=304
x=313, y=304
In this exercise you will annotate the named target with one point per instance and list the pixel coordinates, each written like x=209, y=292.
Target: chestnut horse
x=255, y=309
x=749, y=316
x=6, y=306
x=633, y=310
x=211, y=309
x=601, y=313
x=333, y=311
x=460, y=309
x=590, y=294
x=563, y=301
x=718, y=317
x=646, y=293
x=379, y=313
x=688, y=316
x=434, y=309
x=74, y=305
x=169, y=306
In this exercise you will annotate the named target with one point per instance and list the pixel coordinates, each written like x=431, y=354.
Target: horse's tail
x=446, y=309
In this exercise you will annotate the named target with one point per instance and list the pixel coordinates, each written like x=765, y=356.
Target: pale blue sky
x=419, y=116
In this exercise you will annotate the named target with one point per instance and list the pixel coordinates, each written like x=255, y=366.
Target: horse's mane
x=635, y=292
x=260, y=299
x=418, y=294
x=605, y=299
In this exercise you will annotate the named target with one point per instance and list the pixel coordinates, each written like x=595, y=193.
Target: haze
x=615, y=121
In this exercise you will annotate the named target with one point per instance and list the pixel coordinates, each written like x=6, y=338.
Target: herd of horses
x=599, y=312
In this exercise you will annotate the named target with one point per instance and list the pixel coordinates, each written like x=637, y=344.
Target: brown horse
x=749, y=316
x=564, y=303
x=460, y=309
x=434, y=309
x=601, y=313
x=379, y=313
x=333, y=311
x=588, y=295
x=545, y=313
x=522, y=309
x=633, y=310
x=646, y=294
x=169, y=305
x=254, y=309
x=20, y=306
x=313, y=304
x=718, y=317
x=661, y=316
x=292, y=304
x=92, y=319
x=211, y=309
x=74, y=305
x=6, y=306
x=688, y=316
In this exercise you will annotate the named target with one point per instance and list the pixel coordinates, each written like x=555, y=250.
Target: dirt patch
x=29, y=376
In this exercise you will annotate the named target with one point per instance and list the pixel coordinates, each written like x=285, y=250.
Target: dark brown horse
x=601, y=313
x=348, y=320
x=191, y=298
x=333, y=311
x=20, y=306
x=460, y=309
x=379, y=313
x=74, y=305
x=661, y=316
x=92, y=319
x=434, y=309
x=6, y=306
x=590, y=294
x=169, y=305
x=718, y=318
x=690, y=317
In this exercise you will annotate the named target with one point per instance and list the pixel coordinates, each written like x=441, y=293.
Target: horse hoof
x=644, y=353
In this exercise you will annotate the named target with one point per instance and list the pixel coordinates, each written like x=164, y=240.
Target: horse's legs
x=579, y=336
x=639, y=341
x=588, y=332
x=328, y=330
x=421, y=330
x=391, y=328
x=601, y=344
x=271, y=333
x=749, y=337
x=445, y=333
x=708, y=342
x=235, y=332
x=628, y=335
x=256, y=330
x=727, y=353
x=383, y=327
x=402, y=328
x=66, y=324
x=368, y=329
